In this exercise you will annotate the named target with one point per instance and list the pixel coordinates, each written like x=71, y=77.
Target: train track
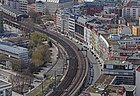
x=76, y=73
x=77, y=68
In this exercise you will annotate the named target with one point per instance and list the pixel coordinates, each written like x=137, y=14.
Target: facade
x=40, y=7
x=14, y=52
x=4, y=1
x=137, y=81
x=13, y=14
x=1, y=21
x=71, y=24
x=136, y=30
x=53, y=5
x=123, y=71
x=20, y=5
x=5, y=88
x=131, y=12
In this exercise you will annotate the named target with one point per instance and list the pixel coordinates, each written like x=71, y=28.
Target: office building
x=14, y=52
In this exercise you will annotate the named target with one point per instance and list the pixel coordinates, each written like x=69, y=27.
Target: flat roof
x=115, y=90
x=4, y=84
x=11, y=9
x=110, y=42
x=129, y=87
x=116, y=62
x=16, y=50
x=102, y=82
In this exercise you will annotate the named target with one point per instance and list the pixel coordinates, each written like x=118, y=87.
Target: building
x=14, y=52
x=131, y=11
x=53, y=5
x=136, y=30
x=104, y=87
x=138, y=81
x=130, y=90
x=31, y=7
x=5, y=88
x=1, y=21
x=11, y=13
x=71, y=24
x=40, y=7
x=4, y=1
x=99, y=86
x=124, y=71
x=20, y=5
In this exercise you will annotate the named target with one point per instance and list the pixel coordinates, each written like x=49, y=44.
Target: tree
x=36, y=39
x=41, y=55
x=17, y=65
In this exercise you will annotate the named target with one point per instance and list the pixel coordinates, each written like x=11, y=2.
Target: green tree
x=36, y=39
x=41, y=55
x=17, y=65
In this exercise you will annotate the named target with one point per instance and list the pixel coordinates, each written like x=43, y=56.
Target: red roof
x=138, y=69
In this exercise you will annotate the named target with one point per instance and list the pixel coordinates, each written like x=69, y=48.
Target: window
x=1, y=93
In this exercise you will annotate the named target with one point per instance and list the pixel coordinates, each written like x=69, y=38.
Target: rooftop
x=14, y=49
x=110, y=42
x=129, y=87
x=4, y=84
x=113, y=90
x=100, y=84
x=11, y=9
x=116, y=62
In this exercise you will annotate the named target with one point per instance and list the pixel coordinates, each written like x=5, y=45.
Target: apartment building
x=40, y=7
x=53, y=5
x=21, y=5
x=136, y=30
x=132, y=10
x=71, y=25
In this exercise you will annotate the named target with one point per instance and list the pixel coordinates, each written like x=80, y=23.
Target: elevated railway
x=77, y=71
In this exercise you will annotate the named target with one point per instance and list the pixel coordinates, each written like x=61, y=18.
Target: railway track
x=76, y=73
x=77, y=68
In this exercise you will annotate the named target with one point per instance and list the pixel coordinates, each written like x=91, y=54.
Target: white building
x=14, y=52
x=132, y=11
x=5, y=88
x=71, y=24
x=138, y=81
x=88, y=36
x=39, y=6
x=130, y=41
x=53, y=5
